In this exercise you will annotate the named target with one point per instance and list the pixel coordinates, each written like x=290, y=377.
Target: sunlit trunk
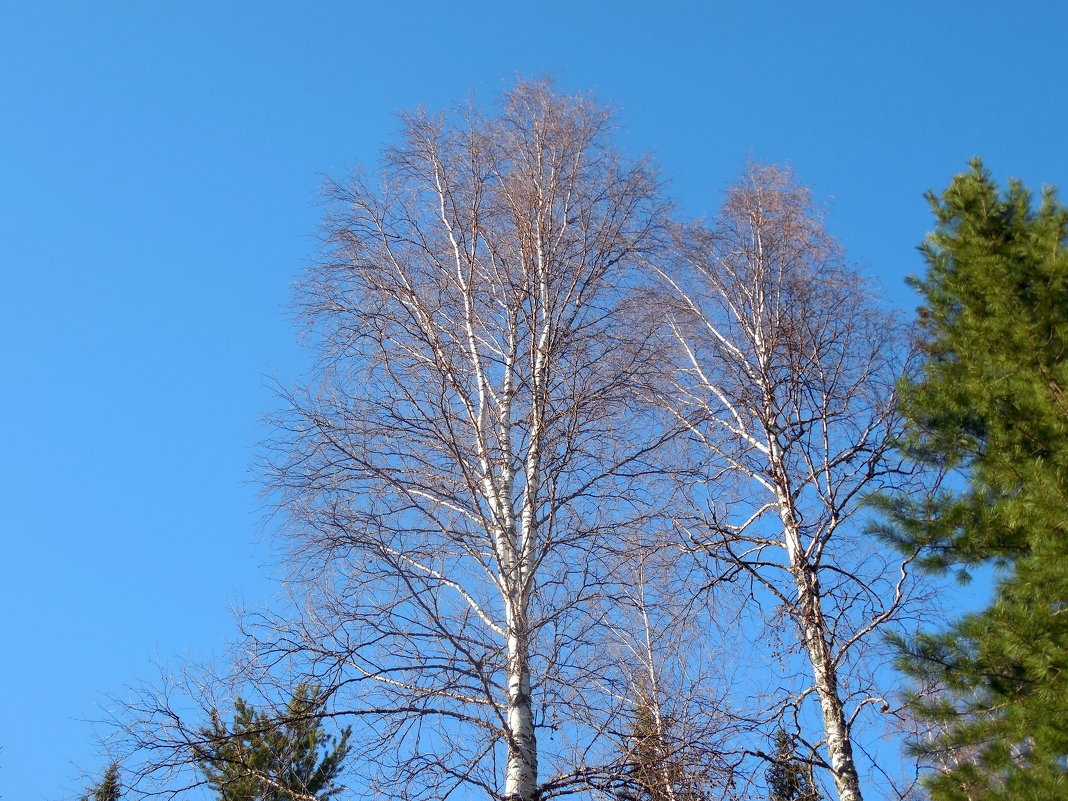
x=521, y=770
x=825, y=677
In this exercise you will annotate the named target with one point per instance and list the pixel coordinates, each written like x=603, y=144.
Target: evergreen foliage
x=285, y=756
x=789, y=779
x=658, y=765
x=648, y=761
x=109, y=788
x=990, y=405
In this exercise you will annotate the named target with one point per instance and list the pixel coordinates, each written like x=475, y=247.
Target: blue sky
x=159, y=175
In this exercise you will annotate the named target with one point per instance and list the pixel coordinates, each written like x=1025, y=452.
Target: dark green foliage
x=990, y=404
x=661, y=765
x=648, y=763
x=109, y=788
x=273, y=757
x=790, y=779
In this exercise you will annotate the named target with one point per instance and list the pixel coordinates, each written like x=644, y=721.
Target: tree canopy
x=109, y=788
x=988, y=407
x=790, y=779
x=281, y=756
x=576, y=498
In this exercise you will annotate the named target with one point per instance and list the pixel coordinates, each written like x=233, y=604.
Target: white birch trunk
x=521, y=769
x=814, y=636
x=467, y=285
x=783, y=352
x=809, y=608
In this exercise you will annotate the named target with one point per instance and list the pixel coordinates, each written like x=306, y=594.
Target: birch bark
x=784, y=376
x=473, y=443
x=816, y=640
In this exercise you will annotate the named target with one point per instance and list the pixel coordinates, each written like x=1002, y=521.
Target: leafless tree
x=487, y=428
x=670, y=681
x=473, y=441
x=783, y=373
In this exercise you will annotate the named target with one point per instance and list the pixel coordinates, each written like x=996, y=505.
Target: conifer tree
x=286, y=756
x=658, y=761
x=990, y=405
x=789, y=779
x=109, y=788
x=650, y=768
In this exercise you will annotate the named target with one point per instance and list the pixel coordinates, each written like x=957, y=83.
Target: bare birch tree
x=474, y=438
x=784, y=375
x=676, y=742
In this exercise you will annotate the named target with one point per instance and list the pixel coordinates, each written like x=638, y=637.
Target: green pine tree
x=658, y=765
x=109, y=787
x=991, y=403
x=790, y=779
x=648, y=763
x=279, y=756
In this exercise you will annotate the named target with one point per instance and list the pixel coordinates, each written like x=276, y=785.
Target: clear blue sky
x=159, y=171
